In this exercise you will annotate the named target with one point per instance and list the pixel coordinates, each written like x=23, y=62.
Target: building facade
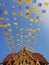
x=24, y=57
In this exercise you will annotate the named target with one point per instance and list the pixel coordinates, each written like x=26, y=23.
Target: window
x=29, y=63
x=22, y=61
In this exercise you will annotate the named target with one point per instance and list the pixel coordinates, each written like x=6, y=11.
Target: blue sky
x=41, y=43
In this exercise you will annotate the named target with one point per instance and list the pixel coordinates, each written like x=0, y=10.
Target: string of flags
x=21, y=24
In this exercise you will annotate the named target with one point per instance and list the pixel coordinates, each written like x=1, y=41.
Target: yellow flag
x=33, y=8
x=33, y=36
x=1, y=25
x=26, y=16
x=20, y=1
x=6, y=12
x=38, y=29
x=20, y=14
x=8, y=24
x=31, y=20
x=41, y=18
x=34, y=30
x=11, y=36
x=46, y=3
x=14, y=13
x=29, y=34
x=21, y=29
x=38, y=12
x=2, y=18
x=15, y=23
x=36, y=20
x=28, y=1
x=17, y=34
x=10, y=30
x=27, y=10
x=30, y=29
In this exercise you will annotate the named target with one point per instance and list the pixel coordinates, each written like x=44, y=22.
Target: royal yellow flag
x=26, y=16
x=17, y=34
x=27, y=10
x=33, y=7
x=20, y=1
x=38, y=29
x=2, y=18
x=14, y=13
x=34, y=30
x=21, y=29
x=38, y=12
x=27, y=1
x=46, y=3
x=33, y=36
x=31, y=20
x=6, y=12
x=36, y=20
x=20, y=14
x=10, y=30
x=41, y=18
x=15, y=23
x=8, y=24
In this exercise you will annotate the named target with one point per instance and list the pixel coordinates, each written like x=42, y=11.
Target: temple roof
x=35, y=56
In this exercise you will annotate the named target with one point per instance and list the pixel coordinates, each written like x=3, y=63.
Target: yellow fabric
x=27, y=10
x=34, y=30
x=20, y=1
x=8, y=24
x=46, y=3
x=21, y=29
x=1, y=25
x=29, y=34
x=6, y=12
x=33, y=8
x=2, y=18
x=10, y=30
x=41, y=18
x=20, y=14
x=33, y=36
x=26, y=16
x=31, y=20
x=15, y=23
x=38, y=29
x=30, y=29
x=14, y=13
x=36, y=20
x=27, y=1
x=17, y=34
x=38, y=12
